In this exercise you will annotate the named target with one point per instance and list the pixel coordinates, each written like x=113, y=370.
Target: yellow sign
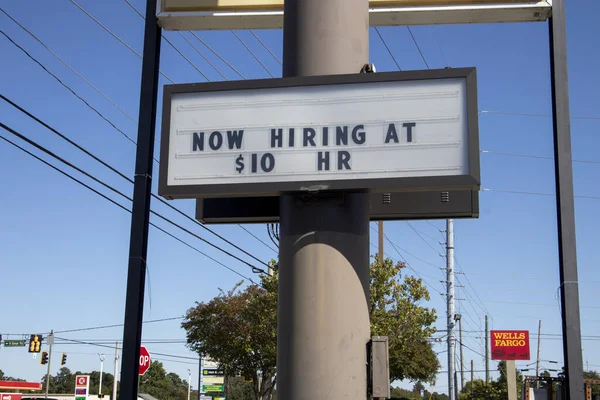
x=233, y=5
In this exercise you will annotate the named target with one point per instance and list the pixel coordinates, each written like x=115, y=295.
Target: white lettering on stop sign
x=144, y=362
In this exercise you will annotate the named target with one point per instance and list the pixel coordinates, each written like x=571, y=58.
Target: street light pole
x=101, y=370
x=189, y=383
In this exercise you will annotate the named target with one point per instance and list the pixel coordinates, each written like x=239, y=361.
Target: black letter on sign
x=343, y=158
x=409, y=131
x=216, y=140
x=325, y=136
x=267, y=162
x=309, y=136
x=235, y=139
x=323, y=161
x=341, y=135
x=291, y=138
x=391, y=134
x=198, y=141
x=359, y=137
x=276, y=135
x=253, y=164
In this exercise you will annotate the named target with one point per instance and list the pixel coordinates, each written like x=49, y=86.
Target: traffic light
x=35, y=343
x=63, y=360
x=44, y=359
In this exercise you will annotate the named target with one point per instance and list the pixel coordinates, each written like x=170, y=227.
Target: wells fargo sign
x=510, y=345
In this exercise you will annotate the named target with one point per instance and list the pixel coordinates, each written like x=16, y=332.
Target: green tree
x=237, y=389
x=238, y=328
x=396, y=313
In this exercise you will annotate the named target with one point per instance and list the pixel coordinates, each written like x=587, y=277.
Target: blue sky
x=64, y=250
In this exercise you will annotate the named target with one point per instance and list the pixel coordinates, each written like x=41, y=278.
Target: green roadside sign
x=14, y=343
x=213, y=388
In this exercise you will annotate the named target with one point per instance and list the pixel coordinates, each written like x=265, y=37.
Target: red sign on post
x=510, y=345
x=144, y=360
x=10, y=396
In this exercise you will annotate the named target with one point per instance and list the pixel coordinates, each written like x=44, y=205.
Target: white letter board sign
x=375, y=132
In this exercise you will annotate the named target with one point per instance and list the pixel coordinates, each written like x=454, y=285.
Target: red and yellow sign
x=510, y=345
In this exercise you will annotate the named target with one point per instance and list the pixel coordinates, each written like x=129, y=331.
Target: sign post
x=144, y=360
x=510, y=346
x=82, y=387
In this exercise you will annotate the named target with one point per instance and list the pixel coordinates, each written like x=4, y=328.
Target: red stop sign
x=144, y=360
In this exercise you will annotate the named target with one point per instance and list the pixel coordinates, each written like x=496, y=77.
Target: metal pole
x=140, y=219
x=114, y=395
x=189, y=383
x=200, y=377
x=450, y=305
x=50, y=343
x=487, y=352
x=472, y=378
x=101, y=371
x=565, y=204
x=462, y=362
x=511, y=379
x=380, y=240
x=323, y=319
x=537, y=364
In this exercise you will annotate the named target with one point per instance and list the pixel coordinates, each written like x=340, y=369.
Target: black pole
x=565, y=204
x=140, y=219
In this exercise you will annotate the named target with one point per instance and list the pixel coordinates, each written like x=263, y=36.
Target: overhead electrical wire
x=522, y=114
x=122, y=175
x=387, y=48
x=418, y=47
x=66, y=86
x=38, y=146
x=501, y=153
x=115, y=36
x=252, y=53
x=266, y=47
x=69, y=66
x=536, y=193
x=90, y=106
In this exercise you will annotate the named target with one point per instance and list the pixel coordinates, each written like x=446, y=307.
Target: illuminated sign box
x=268, y=14
x=376, y=132
x=510, y=345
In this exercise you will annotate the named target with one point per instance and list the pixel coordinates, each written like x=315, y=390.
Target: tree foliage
x=238, y=328
x=396, y=312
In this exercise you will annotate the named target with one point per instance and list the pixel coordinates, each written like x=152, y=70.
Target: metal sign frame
x=381, y=13
x=471, y=180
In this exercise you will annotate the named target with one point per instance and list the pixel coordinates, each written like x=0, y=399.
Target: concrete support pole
x=511, y=379
x=323, y=317
x=450, y=305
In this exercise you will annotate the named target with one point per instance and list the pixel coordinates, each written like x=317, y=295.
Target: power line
x=217, y=54
x=257, y=238
x=422, y=238
x=122, y=175
x=38, y=146
x=533, y=156
x=66, y=86
x=114, y=35
x=536, y=193
x=387, y=48
x=69, y=66
x=418, y=47
x=116, y=325
x=266, y=47
x=175, y=48
x=535, y=114
x=252, y=53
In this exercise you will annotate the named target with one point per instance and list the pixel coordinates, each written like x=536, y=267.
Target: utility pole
x=114, y=395
x=537, y=364
x=462, y=362
x=199, y=377
x=140, y=212
x=50, y=344
x=101, y=371
x=323, y=320
x=380, y=241
x=487, y=352
x=189, y=383
x=450, y=305
x=472, y=378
